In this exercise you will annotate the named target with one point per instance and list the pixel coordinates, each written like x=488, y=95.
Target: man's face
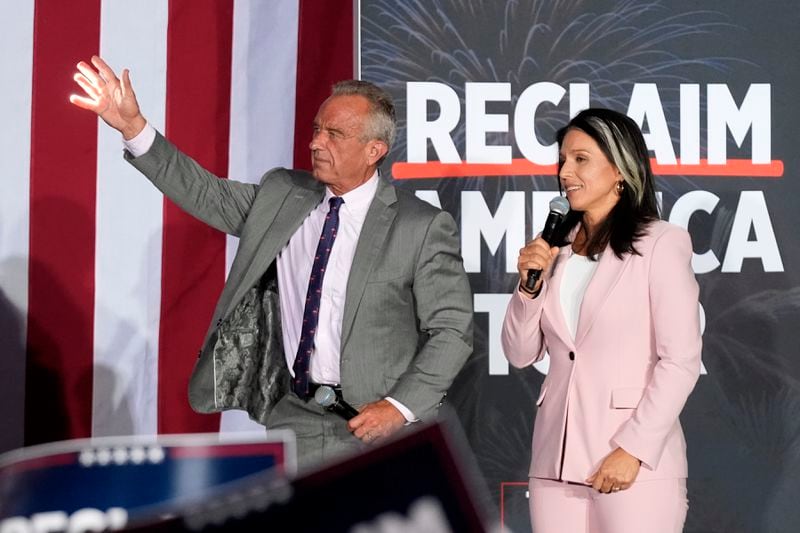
x=340, y=157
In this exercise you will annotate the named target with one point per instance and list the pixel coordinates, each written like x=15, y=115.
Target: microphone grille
x=560, y=205
x=325, y=396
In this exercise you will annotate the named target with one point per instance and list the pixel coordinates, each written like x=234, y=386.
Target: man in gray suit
x=339, y=278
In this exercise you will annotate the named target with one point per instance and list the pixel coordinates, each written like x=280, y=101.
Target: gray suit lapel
x=379, y=219
x=297, y=204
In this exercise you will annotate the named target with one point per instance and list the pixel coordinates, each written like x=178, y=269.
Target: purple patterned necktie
x=313, y=297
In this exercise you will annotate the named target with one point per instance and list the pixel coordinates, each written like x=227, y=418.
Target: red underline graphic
x=523, y=167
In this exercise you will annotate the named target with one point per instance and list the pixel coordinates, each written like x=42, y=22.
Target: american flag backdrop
x=106, y=288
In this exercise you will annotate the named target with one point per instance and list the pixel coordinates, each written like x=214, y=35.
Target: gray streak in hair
x=622, y=158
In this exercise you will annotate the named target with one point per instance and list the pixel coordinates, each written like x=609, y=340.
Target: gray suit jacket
x=407, y=319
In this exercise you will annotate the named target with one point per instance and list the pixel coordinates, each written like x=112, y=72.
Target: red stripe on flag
x=58, y=388
x=199, y=43
x=324, y=56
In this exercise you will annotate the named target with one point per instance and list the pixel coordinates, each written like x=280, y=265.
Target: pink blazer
x=624, y=379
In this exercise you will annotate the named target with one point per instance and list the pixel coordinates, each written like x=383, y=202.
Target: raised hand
x=113, y=100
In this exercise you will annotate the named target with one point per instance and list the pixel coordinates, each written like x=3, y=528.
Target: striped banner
x=106, y=288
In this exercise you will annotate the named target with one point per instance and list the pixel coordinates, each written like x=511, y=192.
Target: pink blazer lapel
x=609, y=270
x=555, y=312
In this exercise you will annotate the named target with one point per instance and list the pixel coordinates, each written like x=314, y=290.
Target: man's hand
x=617, y=472
x=376, y=421
x=113, y=100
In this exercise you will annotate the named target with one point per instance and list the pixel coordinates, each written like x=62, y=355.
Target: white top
x=578, y=273
x=294, y=263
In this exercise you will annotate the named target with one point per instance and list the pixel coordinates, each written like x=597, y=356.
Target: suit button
x=571, y=356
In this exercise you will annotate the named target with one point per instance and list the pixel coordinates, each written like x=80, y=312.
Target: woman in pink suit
x=617, y=310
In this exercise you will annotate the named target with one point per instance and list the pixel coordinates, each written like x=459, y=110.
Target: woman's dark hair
x=621, y=140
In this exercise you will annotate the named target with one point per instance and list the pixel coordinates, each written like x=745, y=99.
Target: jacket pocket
x=626, y=398
x=385, y=275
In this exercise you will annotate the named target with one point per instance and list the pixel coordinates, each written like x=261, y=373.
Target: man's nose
x=317, y=140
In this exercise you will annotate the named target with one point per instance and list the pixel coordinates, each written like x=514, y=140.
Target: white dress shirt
x=294, y=263
x=294, y=268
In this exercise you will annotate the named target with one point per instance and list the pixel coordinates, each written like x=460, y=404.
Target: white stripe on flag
x=16, y=64
x=263, y=77
x=129, y=234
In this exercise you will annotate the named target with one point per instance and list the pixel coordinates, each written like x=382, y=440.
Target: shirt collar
x=357, y=201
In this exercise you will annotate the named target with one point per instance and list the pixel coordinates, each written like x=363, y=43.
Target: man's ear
x=376, y=150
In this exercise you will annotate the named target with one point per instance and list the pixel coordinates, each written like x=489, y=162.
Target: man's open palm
x=113, y=100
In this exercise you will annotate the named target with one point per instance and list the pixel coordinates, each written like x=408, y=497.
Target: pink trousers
x=657, y=506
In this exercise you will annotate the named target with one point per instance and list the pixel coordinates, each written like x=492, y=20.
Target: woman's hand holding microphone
x=536, y=255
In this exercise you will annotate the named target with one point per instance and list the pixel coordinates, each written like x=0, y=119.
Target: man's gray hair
x=382, y=123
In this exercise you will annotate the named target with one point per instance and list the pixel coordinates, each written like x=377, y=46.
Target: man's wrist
x=134, y=128
x=140, y=144
x=405, y=411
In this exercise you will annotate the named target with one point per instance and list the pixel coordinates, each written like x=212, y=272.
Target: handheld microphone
x=559, y=207
x=326, y=397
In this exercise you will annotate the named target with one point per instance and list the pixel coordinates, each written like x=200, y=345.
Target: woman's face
x=587, y=176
